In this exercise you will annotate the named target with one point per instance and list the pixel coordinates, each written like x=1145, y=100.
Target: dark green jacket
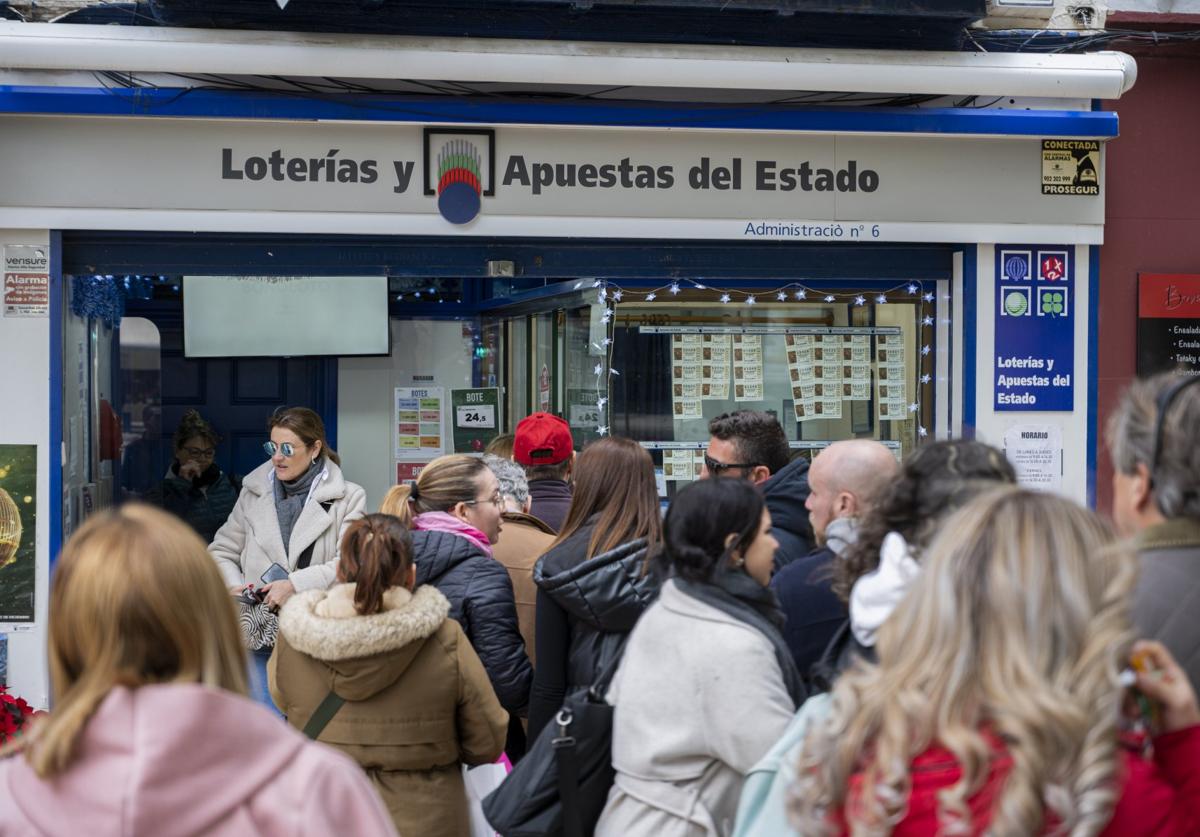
x=204, y=504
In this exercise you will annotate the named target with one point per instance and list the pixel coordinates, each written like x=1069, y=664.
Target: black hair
x=934, y=481
x=191, y=425
x=700, y=519
x=758, y=437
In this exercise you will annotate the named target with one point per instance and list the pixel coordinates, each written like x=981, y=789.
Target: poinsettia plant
x=15, y=716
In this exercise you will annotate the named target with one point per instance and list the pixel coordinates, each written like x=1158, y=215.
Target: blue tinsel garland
x=102, y=297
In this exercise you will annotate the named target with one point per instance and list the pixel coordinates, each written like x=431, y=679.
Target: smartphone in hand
x=275, y=572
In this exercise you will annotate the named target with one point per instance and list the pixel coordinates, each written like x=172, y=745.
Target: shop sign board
x=584, y=414
x=544, y=389
x=418, y=422
x=26, y=281
x=1168, y=333
x=474, y=412
x=408, y=471
x=585, y=181
x=1035, y=329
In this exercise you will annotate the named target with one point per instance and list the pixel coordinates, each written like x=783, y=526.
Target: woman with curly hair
x=996, y=706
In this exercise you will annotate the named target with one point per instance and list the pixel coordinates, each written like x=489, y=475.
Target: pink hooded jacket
x=181, y=760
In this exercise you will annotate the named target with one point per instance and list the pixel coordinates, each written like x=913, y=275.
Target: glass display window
x=853, y=361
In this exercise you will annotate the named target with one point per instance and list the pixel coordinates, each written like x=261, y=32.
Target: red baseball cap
x=542, y=439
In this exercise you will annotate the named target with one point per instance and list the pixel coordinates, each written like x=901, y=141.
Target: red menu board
x=1168, y=335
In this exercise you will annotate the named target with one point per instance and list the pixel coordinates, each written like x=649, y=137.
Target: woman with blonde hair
x=413, y=702
x=151, y=732
x=996, y=705
x=454, y=509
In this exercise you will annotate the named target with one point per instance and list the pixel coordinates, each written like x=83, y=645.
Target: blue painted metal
x=544, y=259
x=55, y=506
x=239, y=104
x=1093, y=380
x=970, y=336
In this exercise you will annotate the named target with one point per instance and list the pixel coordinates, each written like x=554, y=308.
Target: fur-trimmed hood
x=364, y=654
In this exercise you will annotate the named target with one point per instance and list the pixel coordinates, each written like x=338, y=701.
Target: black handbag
x=562, y=784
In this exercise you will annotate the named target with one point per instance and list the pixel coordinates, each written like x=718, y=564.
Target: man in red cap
x=543, y=445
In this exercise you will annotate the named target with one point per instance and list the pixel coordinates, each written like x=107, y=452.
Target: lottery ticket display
x=687, y=376
x=824, y=370
x=827, y=370
x=747, y=367
x=682, y=465
x=889, y=383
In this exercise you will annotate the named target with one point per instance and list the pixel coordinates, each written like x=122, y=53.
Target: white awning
x=48, y=46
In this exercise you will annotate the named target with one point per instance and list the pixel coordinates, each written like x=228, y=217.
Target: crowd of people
x=847, y=645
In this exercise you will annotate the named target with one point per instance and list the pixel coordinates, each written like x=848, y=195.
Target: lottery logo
x=459, y=171
x=1052, y=302
x=1052, y=267
x=1015, y=265
x=1014, y=302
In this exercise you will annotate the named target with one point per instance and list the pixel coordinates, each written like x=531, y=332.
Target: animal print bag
x=258, y=624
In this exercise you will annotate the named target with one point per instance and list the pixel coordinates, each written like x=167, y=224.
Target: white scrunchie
x=876, y=594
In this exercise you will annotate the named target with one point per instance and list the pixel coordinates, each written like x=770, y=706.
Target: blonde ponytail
x=396, y=503
x=442, y=484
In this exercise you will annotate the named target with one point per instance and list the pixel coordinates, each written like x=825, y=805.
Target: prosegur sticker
x=1070, y=167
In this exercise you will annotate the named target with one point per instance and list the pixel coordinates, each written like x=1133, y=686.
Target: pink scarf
x=445, y=522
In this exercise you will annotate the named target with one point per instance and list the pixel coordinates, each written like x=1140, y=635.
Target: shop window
x=656, y=364
x=838, y=364
x=142, y=459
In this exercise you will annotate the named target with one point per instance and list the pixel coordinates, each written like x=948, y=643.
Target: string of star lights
x=609, y=295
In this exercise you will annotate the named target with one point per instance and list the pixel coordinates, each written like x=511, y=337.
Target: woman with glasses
x=454, y=509
x=288, y=521
x=194, y=488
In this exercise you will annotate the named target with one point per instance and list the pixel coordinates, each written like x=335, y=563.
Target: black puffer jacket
x=481, y=601
x=786, y=492
x=585, y=610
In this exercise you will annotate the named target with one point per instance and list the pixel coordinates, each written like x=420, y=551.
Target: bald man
x=843, y=481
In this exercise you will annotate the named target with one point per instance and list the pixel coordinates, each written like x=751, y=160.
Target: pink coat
x=182, y=759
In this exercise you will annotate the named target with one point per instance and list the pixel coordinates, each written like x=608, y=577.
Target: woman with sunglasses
x=293, y=511
x=195, y=489
x=454, y=509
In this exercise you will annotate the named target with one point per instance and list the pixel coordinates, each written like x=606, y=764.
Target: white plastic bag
x=481, y=781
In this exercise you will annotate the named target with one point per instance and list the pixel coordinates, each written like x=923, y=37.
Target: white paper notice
x=1036, y=454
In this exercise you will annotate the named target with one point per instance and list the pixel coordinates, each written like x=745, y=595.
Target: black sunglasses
x=717, y=468
x=1163, y=403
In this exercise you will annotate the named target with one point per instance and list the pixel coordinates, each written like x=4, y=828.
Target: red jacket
x=1159, y=798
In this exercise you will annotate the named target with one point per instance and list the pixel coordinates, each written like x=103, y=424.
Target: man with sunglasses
x=1152, y=438
x=751, y=445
